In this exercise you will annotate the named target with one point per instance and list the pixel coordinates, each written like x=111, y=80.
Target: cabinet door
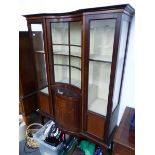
x=66, y=51
x=40, y=66
x=67, y=113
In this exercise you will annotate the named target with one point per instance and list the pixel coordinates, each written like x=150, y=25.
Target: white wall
x=50, y=6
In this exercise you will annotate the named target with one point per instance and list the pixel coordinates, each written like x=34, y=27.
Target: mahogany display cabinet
x=79, y=63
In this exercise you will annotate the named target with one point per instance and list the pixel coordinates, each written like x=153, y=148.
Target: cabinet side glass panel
x=120, y=62
x=39, y=55
x=61, y=49
x=99, y=79
x=100, y=58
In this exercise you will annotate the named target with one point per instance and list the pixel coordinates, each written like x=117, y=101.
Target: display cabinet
x=79, y=62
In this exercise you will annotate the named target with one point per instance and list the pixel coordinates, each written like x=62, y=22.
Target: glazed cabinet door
x=40, y=60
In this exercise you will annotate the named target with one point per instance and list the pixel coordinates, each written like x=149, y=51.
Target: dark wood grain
x=95, y=125
x=70, y=109
x=67, y=110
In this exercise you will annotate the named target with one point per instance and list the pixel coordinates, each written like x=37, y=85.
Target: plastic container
x=47, y=149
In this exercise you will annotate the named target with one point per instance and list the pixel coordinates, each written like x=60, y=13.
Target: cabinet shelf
x=68, y=66
x=100, y=58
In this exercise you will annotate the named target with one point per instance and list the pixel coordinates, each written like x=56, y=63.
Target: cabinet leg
x=105, y=151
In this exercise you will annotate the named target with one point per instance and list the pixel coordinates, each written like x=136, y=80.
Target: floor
x=24, y=150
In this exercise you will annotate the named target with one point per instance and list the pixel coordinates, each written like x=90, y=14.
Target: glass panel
x=61, y=74
x=45, y=90
x=60, y=59
x=76, y=62
x=59, y=33
x=37, y=37
x=101, y=39
x=99, y=78
x=40, y=69
x=76, y=77
x=120, y=62
x=75, y=51
x=75, y=33
x=60, y=49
